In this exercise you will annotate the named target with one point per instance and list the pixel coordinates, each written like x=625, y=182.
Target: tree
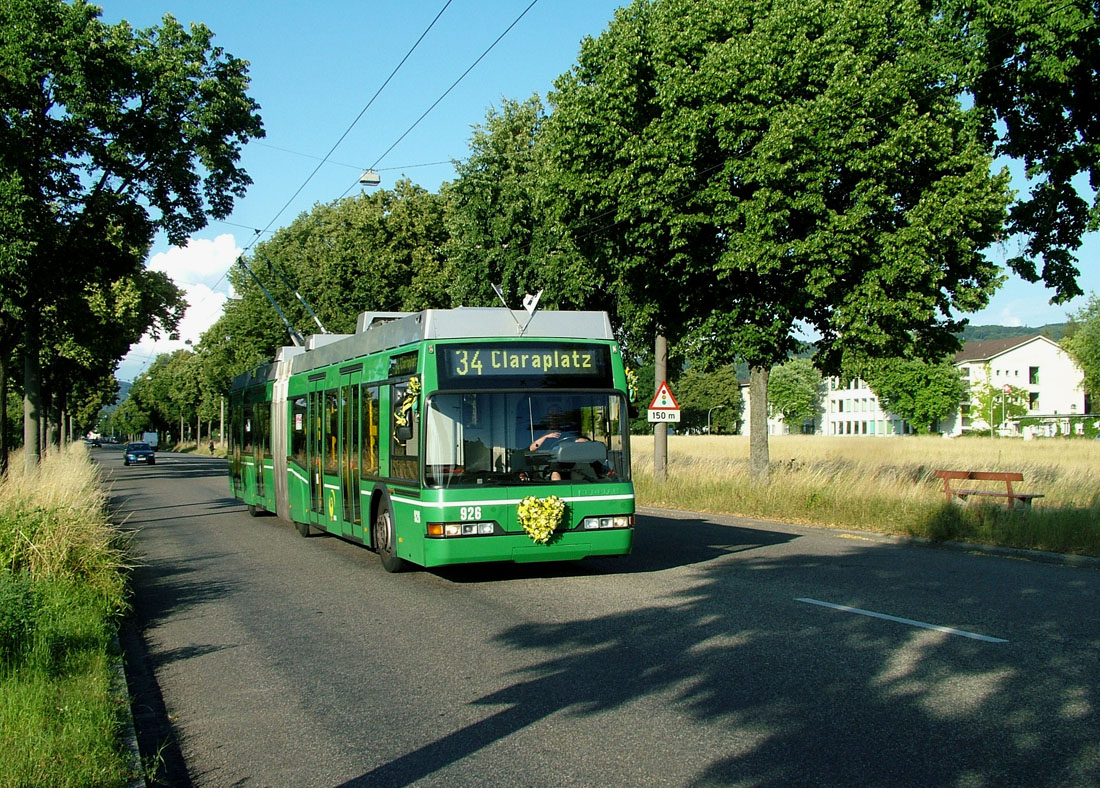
x=501, y=226
x=993, y=405
x=794, y=391
x=741, y=170
x=107, y=135
x=1083, y=344
x=709, y=399
x=1030, y=66
x=377, y=252
x=84, y=334
x=920, y=392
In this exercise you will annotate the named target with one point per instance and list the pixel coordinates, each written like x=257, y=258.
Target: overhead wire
x=258, y=233
x=351, y=125
x=447, y=92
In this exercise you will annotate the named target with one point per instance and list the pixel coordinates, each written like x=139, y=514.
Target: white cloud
x=199, y=270
x=202, y=261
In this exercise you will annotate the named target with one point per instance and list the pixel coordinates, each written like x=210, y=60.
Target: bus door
x=315, y=446
x=332, y=506
x=349, y=403
x=260, y=438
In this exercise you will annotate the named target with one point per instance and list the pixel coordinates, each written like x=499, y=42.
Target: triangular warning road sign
x=663, y=399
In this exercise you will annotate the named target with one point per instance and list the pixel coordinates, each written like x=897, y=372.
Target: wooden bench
x=1011, y=496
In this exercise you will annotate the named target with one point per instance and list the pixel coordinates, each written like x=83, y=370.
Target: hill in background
x=1053, y=331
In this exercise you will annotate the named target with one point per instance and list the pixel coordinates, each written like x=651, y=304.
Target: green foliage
x=922, y=393
x=709, y=397
x=501, y=224
x=18, y=612
x=794, y=162
x=795, y=391
x=1083, y=344
x=378, y=252
x=57, y=711
x=1031, y=69
x=108, y=134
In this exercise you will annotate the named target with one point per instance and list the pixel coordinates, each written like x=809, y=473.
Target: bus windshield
x=520, y=438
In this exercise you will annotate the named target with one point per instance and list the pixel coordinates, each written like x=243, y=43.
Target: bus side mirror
x=403, y=434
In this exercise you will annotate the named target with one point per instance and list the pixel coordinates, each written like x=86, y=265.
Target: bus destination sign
x=478, y=362
x=528, y=361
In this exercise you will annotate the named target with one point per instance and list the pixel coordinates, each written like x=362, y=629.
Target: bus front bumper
x=567, y=546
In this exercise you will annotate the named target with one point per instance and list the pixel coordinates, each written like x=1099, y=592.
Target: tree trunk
x=5, y=439
x=32, y=398
x=758, y=425
x=660, y=429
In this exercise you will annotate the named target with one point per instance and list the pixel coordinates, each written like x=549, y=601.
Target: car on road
x=139, y=452
x=92, y=443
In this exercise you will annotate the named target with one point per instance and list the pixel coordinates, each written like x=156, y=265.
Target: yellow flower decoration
x=631, y=383
x=540, y=517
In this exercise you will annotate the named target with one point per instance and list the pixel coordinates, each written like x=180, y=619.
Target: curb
x=121, y=692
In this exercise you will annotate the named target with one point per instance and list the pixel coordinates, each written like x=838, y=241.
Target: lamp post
x=716, y=407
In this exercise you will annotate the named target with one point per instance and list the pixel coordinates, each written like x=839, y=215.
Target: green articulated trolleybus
x=444, y=437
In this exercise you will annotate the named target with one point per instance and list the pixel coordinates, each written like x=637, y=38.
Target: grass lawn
x=62, y=586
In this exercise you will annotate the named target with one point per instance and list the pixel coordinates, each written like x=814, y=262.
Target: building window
x=1033, y=375
x=1033, y=400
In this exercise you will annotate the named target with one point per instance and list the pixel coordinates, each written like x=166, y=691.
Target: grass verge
x=62, y=586
x=887, y=485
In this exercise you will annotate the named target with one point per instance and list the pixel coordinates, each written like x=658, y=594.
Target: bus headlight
x=461, y=529
x=611, y=521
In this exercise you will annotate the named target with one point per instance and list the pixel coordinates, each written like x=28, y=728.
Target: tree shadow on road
x=803, y=695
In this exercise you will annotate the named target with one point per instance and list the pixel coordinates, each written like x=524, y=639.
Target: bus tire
x=252, y=512
x=385, y=538
x=303, y=529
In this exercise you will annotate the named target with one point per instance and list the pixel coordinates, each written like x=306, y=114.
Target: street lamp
x=370, y=178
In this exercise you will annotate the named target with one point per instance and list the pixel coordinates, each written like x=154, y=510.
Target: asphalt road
x=714, y=655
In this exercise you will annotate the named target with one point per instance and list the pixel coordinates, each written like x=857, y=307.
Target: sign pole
x=660, y=429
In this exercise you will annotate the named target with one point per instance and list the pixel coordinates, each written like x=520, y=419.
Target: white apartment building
x=1032, y=364
x=1035, y=365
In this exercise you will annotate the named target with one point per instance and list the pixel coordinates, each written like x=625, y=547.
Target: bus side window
x=332, y=432
x=369, y=464
x=298, y=432
x=404, y=462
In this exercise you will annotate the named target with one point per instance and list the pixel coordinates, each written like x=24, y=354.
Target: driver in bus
x=557, y=430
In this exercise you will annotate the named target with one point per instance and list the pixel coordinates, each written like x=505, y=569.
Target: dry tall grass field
x=887, y=485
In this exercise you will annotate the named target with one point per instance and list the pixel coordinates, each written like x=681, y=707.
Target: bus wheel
x=303, y=528
x=252, y=512
x=385, y=539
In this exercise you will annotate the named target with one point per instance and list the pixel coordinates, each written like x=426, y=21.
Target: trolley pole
x=660, y=429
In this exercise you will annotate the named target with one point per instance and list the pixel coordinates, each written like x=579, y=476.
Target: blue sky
x=314, y=66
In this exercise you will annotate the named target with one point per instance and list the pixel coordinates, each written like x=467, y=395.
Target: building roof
x=988, y=349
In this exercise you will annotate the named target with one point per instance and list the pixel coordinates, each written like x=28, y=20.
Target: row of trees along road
x=107, y=135
x=732, y=174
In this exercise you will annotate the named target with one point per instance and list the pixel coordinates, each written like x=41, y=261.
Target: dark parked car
x=92, y=442
x=139, y=452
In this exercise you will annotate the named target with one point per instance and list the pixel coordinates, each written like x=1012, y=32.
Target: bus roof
x=377, y=331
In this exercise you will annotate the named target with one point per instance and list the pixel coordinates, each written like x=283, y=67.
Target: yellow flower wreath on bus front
x=540, y=517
